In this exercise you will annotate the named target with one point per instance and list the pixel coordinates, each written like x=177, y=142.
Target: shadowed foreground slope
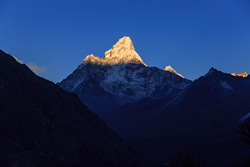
x=203, y=118
x=43, y=125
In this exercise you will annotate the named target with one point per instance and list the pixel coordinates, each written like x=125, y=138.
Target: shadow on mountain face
x=203, y=118
x=43, y=125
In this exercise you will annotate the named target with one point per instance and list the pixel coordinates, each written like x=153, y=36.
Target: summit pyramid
x=123, y=52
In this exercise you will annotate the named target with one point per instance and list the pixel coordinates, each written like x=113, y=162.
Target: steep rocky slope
x=43, y=125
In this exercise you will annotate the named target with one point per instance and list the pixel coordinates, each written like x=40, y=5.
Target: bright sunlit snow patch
x=170, y=69
x=242, y=74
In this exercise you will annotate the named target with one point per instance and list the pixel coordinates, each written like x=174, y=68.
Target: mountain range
x=159, y=112
x=121, y=77
x=203, y=118
x=156, y=112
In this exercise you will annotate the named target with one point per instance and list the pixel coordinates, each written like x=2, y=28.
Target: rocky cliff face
x=120, y=77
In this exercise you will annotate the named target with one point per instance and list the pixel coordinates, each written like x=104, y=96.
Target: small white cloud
x=19, y=61
x=35, y=68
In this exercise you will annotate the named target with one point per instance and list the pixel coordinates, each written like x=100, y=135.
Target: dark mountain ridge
x=43, y=125
x=203, y=117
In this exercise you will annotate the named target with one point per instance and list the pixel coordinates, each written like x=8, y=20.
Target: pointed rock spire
x=124, y=44
x=123, y=52
x=170, y=69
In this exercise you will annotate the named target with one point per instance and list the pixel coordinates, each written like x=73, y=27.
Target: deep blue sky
x=191, y=36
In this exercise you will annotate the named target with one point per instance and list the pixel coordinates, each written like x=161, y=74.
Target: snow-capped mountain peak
x=121, y=77
x=170, y=69
x=123, y=52
x=124, y=44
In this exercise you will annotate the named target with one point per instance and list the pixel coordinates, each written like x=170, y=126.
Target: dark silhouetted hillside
x=43, y=125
